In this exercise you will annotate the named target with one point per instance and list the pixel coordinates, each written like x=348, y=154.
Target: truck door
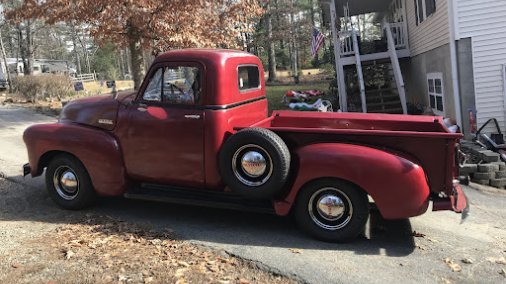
x=164, y=143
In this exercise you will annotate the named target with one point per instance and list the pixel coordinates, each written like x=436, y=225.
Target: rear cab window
x=248, y=77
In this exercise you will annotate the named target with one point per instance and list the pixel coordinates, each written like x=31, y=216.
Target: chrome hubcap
x=66, y=182
x=252, y=165
x=330, y=208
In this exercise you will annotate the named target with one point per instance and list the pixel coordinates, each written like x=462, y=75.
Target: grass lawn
x=275, y=93
x=95, y=88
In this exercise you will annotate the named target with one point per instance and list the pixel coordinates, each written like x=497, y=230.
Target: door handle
x=142, y=107
x=192, y=116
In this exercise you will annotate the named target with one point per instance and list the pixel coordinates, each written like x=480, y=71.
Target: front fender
x=397, y=185
x=97, y=149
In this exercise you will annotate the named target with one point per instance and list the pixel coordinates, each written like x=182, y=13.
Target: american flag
x=317, y=41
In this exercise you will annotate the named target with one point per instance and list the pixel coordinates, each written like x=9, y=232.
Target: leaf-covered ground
x=100, y=249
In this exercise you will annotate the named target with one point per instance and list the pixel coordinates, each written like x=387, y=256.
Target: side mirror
x=112, y=85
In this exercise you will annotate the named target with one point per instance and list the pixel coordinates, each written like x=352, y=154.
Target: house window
x=424, y=9
x=436, y=92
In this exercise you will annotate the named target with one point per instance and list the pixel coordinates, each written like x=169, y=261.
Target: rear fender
x=397, y=185
x=97, y=149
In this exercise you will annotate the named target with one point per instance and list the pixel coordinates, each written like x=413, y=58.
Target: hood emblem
x=105, y=121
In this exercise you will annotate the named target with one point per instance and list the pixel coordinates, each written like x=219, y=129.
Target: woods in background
x=117, y=39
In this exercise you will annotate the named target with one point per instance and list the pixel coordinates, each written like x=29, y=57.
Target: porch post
x=405, y=24
x=343, y=103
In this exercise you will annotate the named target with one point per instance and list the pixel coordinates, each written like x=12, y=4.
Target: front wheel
x=331, y=210
x=68, y=183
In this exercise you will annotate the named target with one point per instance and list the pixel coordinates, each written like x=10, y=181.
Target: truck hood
x=98, y=111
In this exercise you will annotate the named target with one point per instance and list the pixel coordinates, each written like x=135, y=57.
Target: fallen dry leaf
x=455, y=267
x=467, y=261
x=183, y=263
x=181, y=281
x=69, y=254
x=298, y=251
x=500, y=260
x=122, y=278
x=180, y=272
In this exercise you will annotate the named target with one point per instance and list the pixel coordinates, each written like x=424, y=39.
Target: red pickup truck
x=198, y=132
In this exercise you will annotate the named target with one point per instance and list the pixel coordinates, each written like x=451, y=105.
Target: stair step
x=391, y=111
x=377, y=62
x=384, y=104
x=380, y=99
x=376, y=91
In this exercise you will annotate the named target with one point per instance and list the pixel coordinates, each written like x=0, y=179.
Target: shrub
x=44, y=87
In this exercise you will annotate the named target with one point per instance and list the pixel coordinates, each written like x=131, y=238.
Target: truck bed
x=422, y=139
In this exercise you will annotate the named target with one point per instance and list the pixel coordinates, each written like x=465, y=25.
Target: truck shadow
x=215, y=227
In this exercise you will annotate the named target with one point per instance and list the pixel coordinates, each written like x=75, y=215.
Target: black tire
x=272, y=171
x=336, y=226
x=78, y=193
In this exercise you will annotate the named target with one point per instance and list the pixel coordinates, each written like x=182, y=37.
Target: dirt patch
x=100, y=249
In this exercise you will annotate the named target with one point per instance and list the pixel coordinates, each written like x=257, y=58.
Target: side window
x=181, y=85
x=436, y=92
x=249, y=77
x=423, y=9
x=154, y=90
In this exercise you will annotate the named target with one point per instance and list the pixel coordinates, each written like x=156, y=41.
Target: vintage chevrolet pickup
x=197, y=132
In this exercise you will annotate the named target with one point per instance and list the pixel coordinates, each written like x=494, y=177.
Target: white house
x=40, y=67
x=448, y=56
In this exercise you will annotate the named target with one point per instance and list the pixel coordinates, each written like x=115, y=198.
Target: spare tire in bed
x=255, y=163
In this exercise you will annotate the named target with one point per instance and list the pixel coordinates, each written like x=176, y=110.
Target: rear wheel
x=68, y=183
x=331, y=210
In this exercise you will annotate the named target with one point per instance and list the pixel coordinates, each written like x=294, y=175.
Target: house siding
x=485, y=23
x=432, y=33
x=415, y=73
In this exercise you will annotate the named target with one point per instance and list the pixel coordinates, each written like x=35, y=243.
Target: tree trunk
x=293, y=31
x=120, y=65
x=313, y=22
x=29, y=49
x=19, y=52
x=4, y=58
x=270, y=43
x=76, y=53
x=137, y=62
x=82, y=42
x=128, y=61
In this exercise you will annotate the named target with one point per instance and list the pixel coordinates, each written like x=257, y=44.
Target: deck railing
x=346, y=43
x=398, y=33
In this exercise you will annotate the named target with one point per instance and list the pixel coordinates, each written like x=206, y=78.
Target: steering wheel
x=171, y=97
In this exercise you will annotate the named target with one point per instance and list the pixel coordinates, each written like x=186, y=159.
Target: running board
x=196, y=197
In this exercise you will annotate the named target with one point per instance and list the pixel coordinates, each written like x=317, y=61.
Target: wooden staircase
x=383, y=100
x=386, y=96
x=381, y=91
